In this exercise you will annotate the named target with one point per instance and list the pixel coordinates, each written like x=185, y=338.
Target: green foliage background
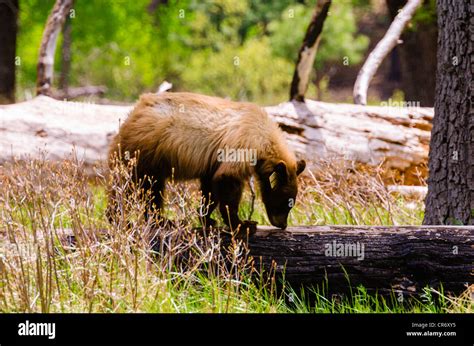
x=242, y=49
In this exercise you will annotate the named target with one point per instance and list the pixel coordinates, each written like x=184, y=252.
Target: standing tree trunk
x=51, y=32
x=381, y=50
x=418, y=44
x=307, y=52
x=8, y=30
x=65, y=57
x=450, y=198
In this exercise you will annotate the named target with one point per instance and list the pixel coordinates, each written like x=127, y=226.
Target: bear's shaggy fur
x=184, y=134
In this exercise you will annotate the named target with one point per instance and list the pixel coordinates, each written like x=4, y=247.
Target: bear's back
x=186, y=130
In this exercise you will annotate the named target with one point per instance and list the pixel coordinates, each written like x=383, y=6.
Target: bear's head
x=279, y=187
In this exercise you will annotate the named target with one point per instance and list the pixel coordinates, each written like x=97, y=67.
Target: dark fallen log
x=400, y=258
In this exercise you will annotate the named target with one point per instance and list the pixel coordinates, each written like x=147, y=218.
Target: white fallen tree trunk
x=76, y=92
x=396, y=137
x=381, y=50
x=416, y=192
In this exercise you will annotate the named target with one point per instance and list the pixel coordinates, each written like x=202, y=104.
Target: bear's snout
x=278, y=220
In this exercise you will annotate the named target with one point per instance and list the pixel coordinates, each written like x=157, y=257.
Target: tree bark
x=45, y=68
x=380, y=258
x=8, y=31
x=418, y=45
x=398, y=138
x=450, y=198
x=307, y=52
x=65, y=56
x=383, y=48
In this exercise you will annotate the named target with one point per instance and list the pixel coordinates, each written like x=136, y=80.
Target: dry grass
x=342, y=193
x=60, y=254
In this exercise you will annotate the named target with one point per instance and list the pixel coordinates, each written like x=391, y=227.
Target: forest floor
x=123, y=273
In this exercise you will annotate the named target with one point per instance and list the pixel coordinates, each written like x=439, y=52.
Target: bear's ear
x=279, y=175
x=300, y=166
x=281, y=170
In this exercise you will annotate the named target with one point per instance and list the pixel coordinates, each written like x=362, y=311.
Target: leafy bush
x=191, y=44
x=249, y=72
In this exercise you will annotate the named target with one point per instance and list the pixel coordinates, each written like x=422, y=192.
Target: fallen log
x=76, y=92
x=415, y=192
x=387, y=260
x=400, y=258
x=395, y=137
x=398, y=137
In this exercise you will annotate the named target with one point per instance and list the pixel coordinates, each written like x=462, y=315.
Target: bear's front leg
x=229, y=192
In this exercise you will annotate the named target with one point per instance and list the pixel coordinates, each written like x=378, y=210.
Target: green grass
x=120, y=272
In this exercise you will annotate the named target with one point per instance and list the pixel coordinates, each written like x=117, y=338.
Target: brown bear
x=220, y=142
